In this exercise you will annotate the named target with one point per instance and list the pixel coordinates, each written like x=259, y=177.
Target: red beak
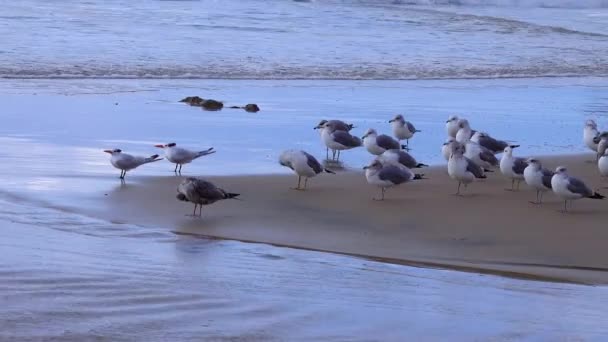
x=159, y=146
x=108, y=151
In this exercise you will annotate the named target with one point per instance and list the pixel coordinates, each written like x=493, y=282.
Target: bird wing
x=387, y=142
x=546, y=178
x=406, y=159
x=395, y=174
x=578, y=187
x=487, y=156
x=339, y=125
x=410, y=126
x=519, y=165
x=492, y=144
x=313, y=163
x=473, y=168
x=346, y=139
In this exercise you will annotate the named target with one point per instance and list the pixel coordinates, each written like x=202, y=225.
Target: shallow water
x=70, y=277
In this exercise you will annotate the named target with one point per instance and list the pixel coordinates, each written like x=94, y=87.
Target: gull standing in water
x=480, y=155
x=465, y=132
x=485, y=140
x=400, y=157
x=461, y=168
x=180, y=156
x=303, y=164
x=377, y=144
x=201, y=192
x=452, y=126
x=446, y=148
x=570, y=188
x=126, y=162
x=512, y=167
x=403, y=130
x=337, y=140
x=334, y=125
x=388, y=175
x=539, y=178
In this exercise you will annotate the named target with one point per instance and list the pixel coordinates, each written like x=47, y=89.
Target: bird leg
x=458, y=191
x=518, y=181
x=512, y=185
x=327, y=153
x=200, y=210
x=175, y=168
x=407, y=144
x=565, y=207
x=333, y=154
x=305, y=182
x=537, y=201
x=180, y=169
x=298, y=187
x=338, y=159
x=381, y=195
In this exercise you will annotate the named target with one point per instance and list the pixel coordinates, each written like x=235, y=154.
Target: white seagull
x=590, y=135
x=334, y=125
x=446, y=148
x=180, y=156
x=400, y=157
x=201, y=192
x=570, y=188
x=602, y=145
x=480, y=155
x=451, y=126
x=377, y=144
x=512, y=167
x=538, y=177
x=403, y=130
x=388, y=175
x=126, y=162
x=461, y=168
x=465, y=132
x=485, y=140
x=303, y=164
x=337, y=140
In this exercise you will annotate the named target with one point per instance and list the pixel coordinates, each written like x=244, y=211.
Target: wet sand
x=421, y=223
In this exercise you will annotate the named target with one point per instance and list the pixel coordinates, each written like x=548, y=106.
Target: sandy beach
x=421, y=223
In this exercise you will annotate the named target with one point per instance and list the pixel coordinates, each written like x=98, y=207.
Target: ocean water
x=317, y=39
x=77, y=77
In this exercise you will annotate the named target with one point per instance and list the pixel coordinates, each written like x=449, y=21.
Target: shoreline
x=488, y=231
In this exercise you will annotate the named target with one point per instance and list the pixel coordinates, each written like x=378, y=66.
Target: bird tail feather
x=419, y=165
x=230, y=195
x=419, y=176
x=205, y=152
x=329, y=171
x=597, y=196
x=181, y=197
x=153, y=158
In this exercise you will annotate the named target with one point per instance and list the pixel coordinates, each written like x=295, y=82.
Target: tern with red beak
x=126, y=162
x=180, y=156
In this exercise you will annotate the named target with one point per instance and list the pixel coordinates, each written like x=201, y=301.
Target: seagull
x=403, y=129
x=602, y=145
x=399, y=157
x=602, y=164
x=512, y=167
x=462, y=168
x=201, y=192
x=590, y=134
x=570, y=188
x=337, y=140
x=465, y=132
x=334, y=125
x=451, y=126
x=180, y=156
x=538, y=177
x=446, y=148
x=377, y=144
x=388, y=175
x=126, y=162
x=485, y=140
x=303, y=164
x=480, y=155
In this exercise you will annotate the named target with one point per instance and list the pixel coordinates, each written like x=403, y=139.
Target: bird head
x=561, y=170
x=369, y=132
x=114, y=151
x=397, y=118
x=452, y=118
x=321, y=124
x=374, y=165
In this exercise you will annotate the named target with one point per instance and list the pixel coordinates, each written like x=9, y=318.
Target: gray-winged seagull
x=388, y=175
x=512, y=167
x=201, y=192
x=126, y=162
x=570, y=188
x=538, y=177
x=303, y=164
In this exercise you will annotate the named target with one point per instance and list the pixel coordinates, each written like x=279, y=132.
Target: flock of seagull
x=470, y=154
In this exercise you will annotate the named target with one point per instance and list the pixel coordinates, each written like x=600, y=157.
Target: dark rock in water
x=252, y=108
x=212, y=105
x=234, y=107
x=193, y=100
